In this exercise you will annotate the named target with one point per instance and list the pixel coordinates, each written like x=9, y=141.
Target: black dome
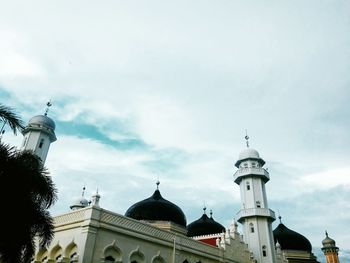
x=290, y=240
x=158, y=209
x=204, y=226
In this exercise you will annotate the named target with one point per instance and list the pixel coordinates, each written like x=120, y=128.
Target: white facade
x=255, y=216
x=95, y=235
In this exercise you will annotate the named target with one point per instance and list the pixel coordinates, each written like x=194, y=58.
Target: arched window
x=264, y=251
x=251, y=226
x=248, y=186
x=253, y=164
x=258, y=204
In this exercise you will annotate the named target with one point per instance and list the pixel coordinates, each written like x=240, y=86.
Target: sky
x=165, y=90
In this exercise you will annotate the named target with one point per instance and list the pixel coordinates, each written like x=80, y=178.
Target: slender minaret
x=39, y=134
x=330, y=250
x=255, y=216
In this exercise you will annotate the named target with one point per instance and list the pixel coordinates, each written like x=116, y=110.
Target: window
x=248, y=186
x=258, y=204
x=245, y=165
x=264, y=251
x=254, y=165
x=251, y=226
x=41, y=143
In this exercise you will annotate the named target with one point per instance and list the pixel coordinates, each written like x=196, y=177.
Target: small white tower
x=39, y=134
x=255, y=216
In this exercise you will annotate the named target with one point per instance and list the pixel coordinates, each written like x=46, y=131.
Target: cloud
x=167, y=89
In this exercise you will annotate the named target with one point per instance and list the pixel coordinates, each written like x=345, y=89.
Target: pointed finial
x=280, y=218
x=204, y=208
x=48, y=104
x=157, y=183
x=95, y=199
x=82, y=194
x=211, y=213
x=247, y=138
x=326, y=233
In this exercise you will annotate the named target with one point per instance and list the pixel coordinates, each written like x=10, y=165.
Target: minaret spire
x=330, y=250
x=246, y=138
x=82, y=194
x=48, y=104
x=255, y=216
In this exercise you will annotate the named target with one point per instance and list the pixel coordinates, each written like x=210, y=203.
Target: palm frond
x=9, y=117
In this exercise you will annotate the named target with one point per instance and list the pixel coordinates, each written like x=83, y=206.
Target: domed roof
x=328, y=242
x=249, y=153
x=156, y=208
x=290, y=240
x=79, y=203
x=42, y=120
x=204, y=226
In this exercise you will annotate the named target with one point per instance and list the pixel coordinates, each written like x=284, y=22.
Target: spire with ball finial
x=247, y=138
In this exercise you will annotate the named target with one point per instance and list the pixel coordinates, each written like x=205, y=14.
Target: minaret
x=330, y=250
x=255, y=216
x=39, y=134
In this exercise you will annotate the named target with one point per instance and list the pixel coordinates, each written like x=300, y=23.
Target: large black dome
x=290, y=240
x=204, y=226
x=156, y=208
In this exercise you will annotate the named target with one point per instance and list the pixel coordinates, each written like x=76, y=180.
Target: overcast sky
x=143, y=90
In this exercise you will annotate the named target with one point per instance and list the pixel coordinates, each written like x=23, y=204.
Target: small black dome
x=290, y=240
x=204, y=226
x=156, y=208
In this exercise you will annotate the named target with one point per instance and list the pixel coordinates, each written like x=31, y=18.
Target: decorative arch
x=158, y=258
x=136, y=256
x=112, y=254
x=56, y=253
x=71, y=252
x=42, y=255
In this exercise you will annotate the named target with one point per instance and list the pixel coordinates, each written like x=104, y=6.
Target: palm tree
x=26, y=192
x=8, y=116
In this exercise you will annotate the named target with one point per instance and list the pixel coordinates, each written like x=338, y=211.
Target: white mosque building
x=155, y=230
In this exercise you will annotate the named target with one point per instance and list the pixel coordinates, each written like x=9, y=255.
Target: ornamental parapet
x=255, y=212
x=251, y=171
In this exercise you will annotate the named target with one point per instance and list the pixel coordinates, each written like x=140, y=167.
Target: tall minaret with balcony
x=255, y=216
x=39, y=134
x=330, y=250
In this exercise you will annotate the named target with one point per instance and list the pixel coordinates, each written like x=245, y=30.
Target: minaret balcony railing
x=255, y=212
x=251, y=171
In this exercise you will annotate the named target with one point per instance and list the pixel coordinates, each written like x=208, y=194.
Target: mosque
x=155, y=230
